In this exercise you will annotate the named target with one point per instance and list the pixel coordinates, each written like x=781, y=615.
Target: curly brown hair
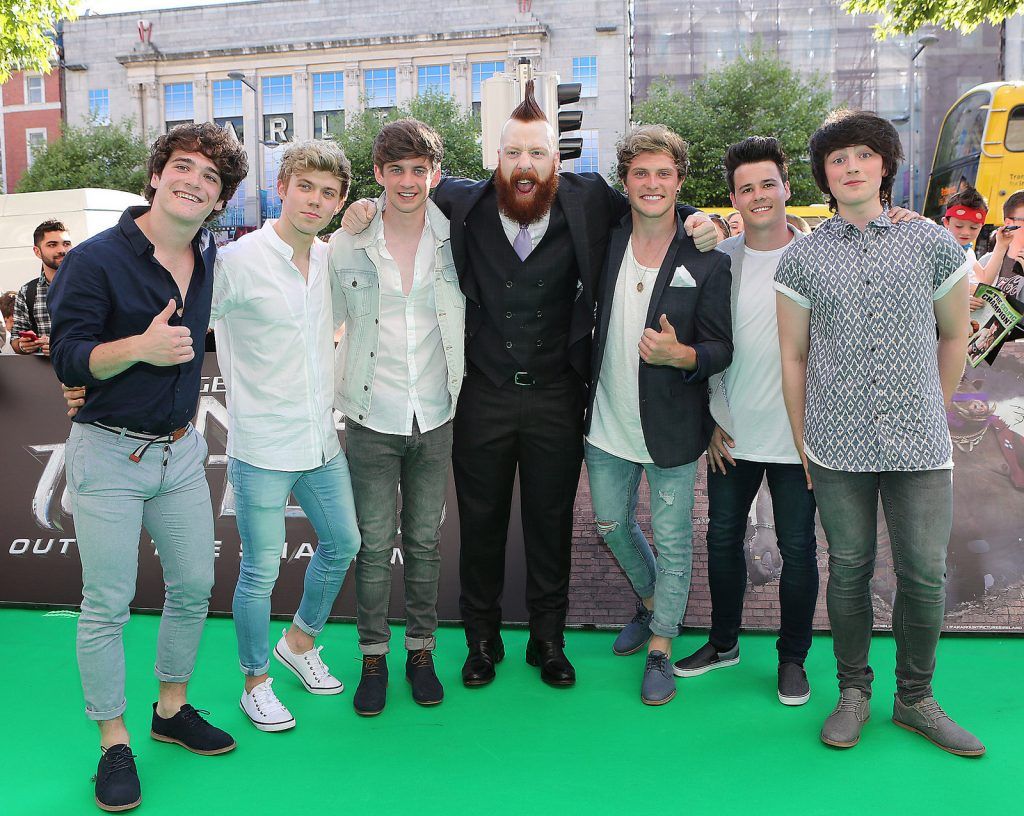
x=216, y=143
x=846, y=128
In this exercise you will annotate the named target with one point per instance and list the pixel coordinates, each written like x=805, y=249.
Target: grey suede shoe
x=926, y=717
x=842, y=727
x=636, y=633
x=659, y=685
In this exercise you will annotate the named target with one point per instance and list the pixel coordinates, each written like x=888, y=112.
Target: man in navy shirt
x=125, y=311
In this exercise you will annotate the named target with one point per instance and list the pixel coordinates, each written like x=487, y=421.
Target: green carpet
x=724, y=745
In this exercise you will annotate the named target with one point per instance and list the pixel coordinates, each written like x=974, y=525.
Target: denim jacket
x=355, y=289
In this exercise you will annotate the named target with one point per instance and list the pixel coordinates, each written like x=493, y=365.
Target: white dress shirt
x=275, y=345
x=536, y=229
x=411, y=377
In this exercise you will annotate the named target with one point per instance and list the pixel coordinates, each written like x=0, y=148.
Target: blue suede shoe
x=636, y=633
x=659, y=684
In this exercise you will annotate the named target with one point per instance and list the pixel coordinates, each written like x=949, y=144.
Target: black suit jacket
x=591, y=208
x=674, y=411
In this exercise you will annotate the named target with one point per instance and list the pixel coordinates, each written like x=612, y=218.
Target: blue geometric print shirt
x=874, y=397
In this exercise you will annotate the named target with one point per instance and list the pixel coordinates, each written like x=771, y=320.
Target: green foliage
x=459, y=130
x=755, y=95
x=906, y=16
x=26, y=28
x=106, y=156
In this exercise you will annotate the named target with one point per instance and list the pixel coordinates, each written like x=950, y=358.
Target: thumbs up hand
x=663, y=348
x=162, y=344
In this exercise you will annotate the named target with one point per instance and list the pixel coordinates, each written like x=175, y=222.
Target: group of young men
x=515, y=325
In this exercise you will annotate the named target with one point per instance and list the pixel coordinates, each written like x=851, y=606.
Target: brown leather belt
x=147, y=439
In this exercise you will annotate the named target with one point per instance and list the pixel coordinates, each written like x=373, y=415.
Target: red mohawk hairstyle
x=528, y=110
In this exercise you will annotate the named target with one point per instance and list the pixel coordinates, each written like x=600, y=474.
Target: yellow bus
x=813, y=214
x=981, y=143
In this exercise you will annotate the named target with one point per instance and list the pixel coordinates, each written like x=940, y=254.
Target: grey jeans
x=918, y=508
x=112, y=498
x=379, y=463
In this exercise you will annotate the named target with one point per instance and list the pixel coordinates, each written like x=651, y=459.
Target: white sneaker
x=309, y=668
x=265, y=710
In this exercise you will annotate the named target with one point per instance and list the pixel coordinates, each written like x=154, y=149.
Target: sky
x=117, y=6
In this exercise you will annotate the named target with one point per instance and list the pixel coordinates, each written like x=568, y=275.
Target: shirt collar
x=268, y=234
x=374, y=233
x=137, y=238
x=840, y=226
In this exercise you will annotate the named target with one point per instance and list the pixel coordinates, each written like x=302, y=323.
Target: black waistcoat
x=527, y=306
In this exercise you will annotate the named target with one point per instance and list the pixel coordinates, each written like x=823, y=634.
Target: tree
x=756, y=94
x=107, y=156
x=906, y=16
x=26, y=33
x=459, y=130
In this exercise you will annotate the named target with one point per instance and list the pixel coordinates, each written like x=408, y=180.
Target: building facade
x=30, y=118
x=306, y=64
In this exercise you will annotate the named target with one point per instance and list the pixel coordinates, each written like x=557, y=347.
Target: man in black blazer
x=528, y=245
x=663, y=328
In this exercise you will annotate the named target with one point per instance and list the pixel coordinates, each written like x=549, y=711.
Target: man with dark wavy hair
x=865, y=386
x=125, y=311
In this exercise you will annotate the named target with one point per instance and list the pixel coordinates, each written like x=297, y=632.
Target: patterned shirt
x=39, y=320
x=874, y=397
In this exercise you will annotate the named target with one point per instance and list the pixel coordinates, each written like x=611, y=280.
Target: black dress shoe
x=190, y=730
x=478, y=670
x=419, y=671
x=117, y=781
x=555, y=668
x=372, y=692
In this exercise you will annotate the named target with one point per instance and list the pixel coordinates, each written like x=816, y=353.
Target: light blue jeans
x=325, y=496
x=614, y=488
x=112, y=498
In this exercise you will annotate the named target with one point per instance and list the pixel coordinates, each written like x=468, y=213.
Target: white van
x=84, y=212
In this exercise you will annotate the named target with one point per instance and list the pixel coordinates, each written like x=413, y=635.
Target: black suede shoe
x=188, y=729
x=478, y=670
x=419, y=671
x=117, y=781
x=555, y=668
x=372, y=692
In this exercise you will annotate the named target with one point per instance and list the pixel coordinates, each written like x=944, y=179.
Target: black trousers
x=539, y=430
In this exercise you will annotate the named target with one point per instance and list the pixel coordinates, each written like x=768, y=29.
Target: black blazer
x=591, y=208
x=674, y=411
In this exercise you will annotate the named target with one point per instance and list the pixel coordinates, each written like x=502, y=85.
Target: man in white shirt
x=400, y=368
x=275, y=342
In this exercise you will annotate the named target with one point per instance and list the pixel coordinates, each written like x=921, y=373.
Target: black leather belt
x=147, y=439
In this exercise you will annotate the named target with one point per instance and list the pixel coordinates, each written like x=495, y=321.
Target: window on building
x=35, y=142
x=227, y=106
x=381, y=87
x=584, y=71
x=434, y=79
x=178, y=104
x=278, y=124
x=99, y=106
x=328, y=103
x=589, y=160
x=35, y=91
x=277, y=94
x=480, y=72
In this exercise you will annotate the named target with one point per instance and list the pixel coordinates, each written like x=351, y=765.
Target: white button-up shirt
x=411, y=378
x=275, y=345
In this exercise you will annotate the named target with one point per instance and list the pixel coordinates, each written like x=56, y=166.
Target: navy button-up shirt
x=110, y=287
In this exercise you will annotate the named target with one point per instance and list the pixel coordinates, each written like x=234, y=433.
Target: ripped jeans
x=614, y=489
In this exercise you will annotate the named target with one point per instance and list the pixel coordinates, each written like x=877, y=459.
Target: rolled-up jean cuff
x=164, y=677
x=102, y=716
x=305, y=627
x=374, y=649
x=659, y=632
x=414, y=644
x=255, y=672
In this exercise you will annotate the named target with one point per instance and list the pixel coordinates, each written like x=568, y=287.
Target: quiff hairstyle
x=216, y=143
x=846, y=128
x=407, y=139
x=313, y=155
x=50, y=225
x=751, y=150
x=651, y=139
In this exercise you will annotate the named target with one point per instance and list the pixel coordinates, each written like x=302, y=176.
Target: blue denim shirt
x=110, y=287
x=355, y=289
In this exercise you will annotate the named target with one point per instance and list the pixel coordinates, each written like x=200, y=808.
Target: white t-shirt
x=753, y=381
x=615, y=426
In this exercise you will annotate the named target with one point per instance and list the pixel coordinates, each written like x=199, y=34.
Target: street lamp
x=238, y=76
x=922, y=43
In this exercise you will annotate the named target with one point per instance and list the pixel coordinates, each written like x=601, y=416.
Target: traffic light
x=500, y=95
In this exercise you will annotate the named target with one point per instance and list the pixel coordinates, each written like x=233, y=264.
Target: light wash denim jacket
x=355, y=290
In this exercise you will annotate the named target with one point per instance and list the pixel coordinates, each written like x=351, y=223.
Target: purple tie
x=523, y=245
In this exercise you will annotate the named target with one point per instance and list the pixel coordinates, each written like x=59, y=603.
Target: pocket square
x=682, y=277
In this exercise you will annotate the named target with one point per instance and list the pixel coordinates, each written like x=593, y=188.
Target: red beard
x=525, y=209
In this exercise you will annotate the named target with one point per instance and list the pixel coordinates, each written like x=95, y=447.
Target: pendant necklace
x=641, y=271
